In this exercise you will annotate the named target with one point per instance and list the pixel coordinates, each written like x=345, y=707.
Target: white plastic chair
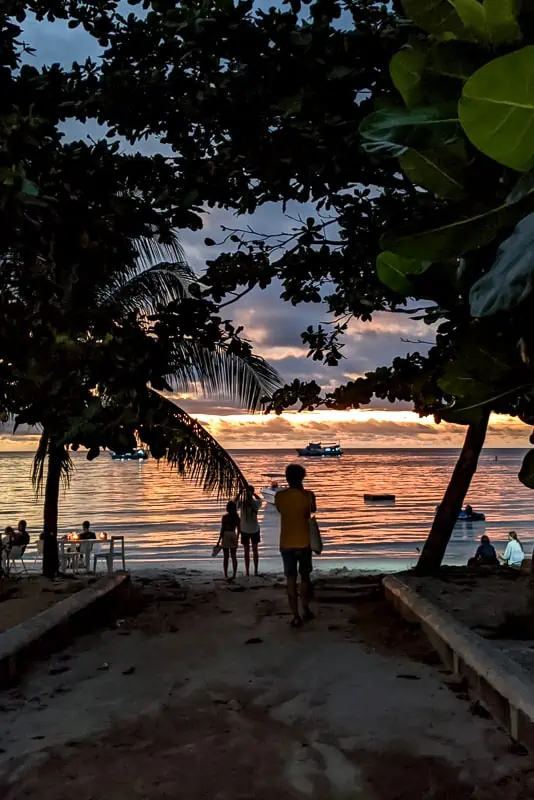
x=111, y=554
x=13, y=555
x=69, y=557
x=86, y=549
x=38, y=551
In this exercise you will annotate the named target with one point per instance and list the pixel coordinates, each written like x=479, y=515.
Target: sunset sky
x=274, y=328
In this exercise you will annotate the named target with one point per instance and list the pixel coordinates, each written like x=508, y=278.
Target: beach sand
x=203, y=691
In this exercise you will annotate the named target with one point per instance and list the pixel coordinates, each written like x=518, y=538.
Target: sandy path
x=336, y=710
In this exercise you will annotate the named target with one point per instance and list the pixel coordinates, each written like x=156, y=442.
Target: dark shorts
x=250, y=538
x=297, y=560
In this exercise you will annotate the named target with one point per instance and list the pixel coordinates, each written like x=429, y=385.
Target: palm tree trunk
x=451, y=505
x=51, y=505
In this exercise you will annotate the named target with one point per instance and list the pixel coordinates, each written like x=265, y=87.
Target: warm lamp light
x=103, y=535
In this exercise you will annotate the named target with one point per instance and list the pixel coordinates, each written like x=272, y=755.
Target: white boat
x=269, y=492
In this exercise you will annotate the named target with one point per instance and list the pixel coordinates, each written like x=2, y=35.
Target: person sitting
x=87, y=533
x=485, y=555
x=21, y=537
x=7, y=538
x=513, y=556
x=469, y=510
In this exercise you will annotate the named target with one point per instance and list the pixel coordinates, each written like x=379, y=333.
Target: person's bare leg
x=234, y=560
x=305, y=598
x=247, y=559
x=226, y=555
x=256, y=557
x=292, y=596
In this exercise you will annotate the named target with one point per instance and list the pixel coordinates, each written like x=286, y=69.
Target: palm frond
x=245, y=379
x=40, y=459
x=153, y=251
x=145, y=289
x=191, y=450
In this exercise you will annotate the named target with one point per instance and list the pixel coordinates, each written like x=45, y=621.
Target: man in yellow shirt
x=295, y=506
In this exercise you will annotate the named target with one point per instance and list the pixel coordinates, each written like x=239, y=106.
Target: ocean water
x=168, y=522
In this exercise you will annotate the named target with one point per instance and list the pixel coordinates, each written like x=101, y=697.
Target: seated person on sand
x=485, y=555
x=87, y=533
x=21, y=537
x=513, y=556
x=7, y=538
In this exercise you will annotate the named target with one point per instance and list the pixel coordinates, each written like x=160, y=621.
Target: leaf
x=391, y=131
x=440, y=171
x=452, y=237
x=452, y=60
x=29, y=188
x=473, y=16
x=438, y=17
x=497, y=109
x=458, y=416
x=526, y=473
x=524, y=186
x=501, y=16
x=406, y=69
x=393, y=269
x=510, y=279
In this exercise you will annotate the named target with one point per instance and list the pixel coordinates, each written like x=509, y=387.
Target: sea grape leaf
x=461, y=414
x=453, y=235
x=440, y=170
x=438, y=17
x=524, y=186
x=526, y=473
x=501, y=17
x=391, y=131
x=473, y=16
x=453, y=60
x=511, y=278
x=496, y=109
x=393, y=272
x=406, y=69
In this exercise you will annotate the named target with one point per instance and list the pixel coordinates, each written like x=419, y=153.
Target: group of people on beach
x=296, y=505
x=486, y=555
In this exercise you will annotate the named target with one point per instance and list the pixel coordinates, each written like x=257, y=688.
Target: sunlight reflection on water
x=168, y=522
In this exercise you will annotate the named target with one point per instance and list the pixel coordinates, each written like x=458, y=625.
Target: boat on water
x=269, y=492
x=318, y=450
x=135, y=455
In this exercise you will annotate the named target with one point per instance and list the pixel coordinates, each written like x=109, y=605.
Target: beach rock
x=254, y=640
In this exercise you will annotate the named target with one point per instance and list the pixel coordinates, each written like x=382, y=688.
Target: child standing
x=229, y=538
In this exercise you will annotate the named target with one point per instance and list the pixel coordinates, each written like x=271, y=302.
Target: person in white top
x=513, y=556
x=250, y=528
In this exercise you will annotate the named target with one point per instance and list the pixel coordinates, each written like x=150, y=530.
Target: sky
x=274, y=328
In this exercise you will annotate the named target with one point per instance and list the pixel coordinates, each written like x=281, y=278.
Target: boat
x=316, y=449
x=270, y=492
x=135, y=455
x=379, y=498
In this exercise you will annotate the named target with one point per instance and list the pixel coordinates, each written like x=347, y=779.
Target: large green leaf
x=454, y=59
x=453, y=233
x=440, y=171
x=473, y=16
x=497, y=109
x=393, y=272
x=501, y=17
x=438, y=17
x=392, y=131
x=511, y=278
x=406, y=69
x=526, y=473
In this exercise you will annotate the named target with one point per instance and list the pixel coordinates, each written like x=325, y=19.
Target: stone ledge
x=498, y=682
x=54, y=627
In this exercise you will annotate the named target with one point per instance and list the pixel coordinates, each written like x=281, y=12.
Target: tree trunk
x=451, y=505
x=51, y=504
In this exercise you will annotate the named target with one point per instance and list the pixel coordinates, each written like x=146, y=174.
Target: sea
x=168, y=523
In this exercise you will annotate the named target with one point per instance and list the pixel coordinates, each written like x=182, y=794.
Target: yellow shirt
x=295, y=507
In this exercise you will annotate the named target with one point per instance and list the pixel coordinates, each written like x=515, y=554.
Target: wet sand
x=203, y=691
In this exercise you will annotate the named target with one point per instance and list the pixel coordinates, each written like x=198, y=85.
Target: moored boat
x=135, y=455
x=270, y=492
x=318, y=450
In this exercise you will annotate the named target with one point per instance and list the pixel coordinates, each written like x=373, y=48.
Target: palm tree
x=97, y=406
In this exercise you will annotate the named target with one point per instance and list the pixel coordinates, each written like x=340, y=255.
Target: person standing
x=295, y=506
x=250, y=528
x=229, y=538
